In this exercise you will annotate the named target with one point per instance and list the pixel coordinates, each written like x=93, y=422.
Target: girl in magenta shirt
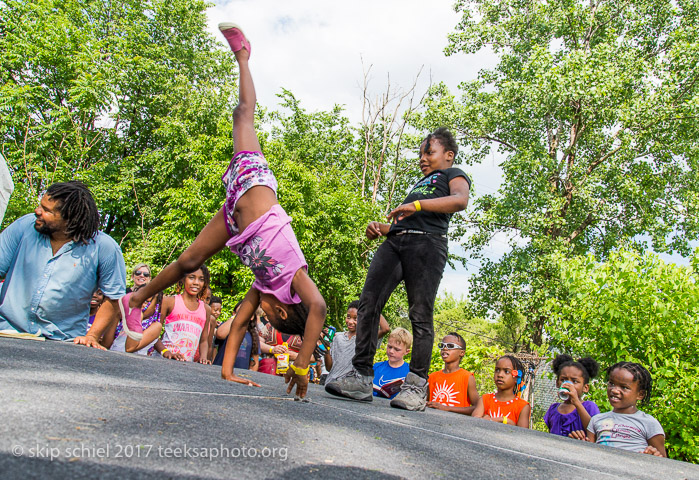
x=254, y=226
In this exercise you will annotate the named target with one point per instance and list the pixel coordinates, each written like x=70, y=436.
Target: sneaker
x=412, y=395
x=354, y=385
x=235, y=36
x=131, y=318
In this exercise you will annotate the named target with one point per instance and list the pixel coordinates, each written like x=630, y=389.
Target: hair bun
x=559, y=361
x=590, y=365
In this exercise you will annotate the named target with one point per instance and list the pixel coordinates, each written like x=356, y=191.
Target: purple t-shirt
x=560, y=424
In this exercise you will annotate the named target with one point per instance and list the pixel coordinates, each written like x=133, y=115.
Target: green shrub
x=637, y=308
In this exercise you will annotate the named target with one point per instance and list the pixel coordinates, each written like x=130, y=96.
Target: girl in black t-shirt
x=415, y=251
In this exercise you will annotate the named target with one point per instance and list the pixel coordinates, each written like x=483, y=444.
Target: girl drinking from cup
x=571, y=418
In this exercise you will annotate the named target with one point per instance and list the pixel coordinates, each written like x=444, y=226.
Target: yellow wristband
x=504, y=420
x=299, y=371
x=416, y=203
x=164, y=350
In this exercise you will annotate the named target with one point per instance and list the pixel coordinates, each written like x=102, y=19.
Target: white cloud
x=316, y=48
x=456, y=283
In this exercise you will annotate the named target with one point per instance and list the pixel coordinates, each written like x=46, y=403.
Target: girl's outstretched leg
x=149, y=334
x=208, y=243
x=244, y=135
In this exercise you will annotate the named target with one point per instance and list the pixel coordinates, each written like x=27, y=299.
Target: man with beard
x=53, y=261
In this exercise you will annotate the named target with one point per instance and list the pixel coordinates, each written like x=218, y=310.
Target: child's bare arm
x=165, y=353
x=591, y=437
x=580, y=408
x=236, y=335
x=150, y=311
x=456, y=201
x=224, y=329
x=479, y=411
x=523, y=420
x=106, y=315
x=204, y=339
x=210, y=336
x=447, y=408
x=472, y=393
x=311, y=297
x=377, y=229
x=329, y=360
x=656, y=446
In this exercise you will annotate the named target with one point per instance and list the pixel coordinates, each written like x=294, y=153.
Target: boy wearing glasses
x=452, y=389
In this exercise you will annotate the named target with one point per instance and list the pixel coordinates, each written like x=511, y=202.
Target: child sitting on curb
x=338, y=360
x=390, y=374
x=453, y=389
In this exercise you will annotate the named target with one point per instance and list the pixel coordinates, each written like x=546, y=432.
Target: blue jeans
x=419, y=261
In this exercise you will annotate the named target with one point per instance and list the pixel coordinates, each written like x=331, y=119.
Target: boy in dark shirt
x=415, y=251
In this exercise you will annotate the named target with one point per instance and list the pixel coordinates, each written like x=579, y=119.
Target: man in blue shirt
x=53, y=261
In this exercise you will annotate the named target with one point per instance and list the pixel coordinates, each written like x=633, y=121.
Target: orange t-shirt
x=450, y=389
x=510, y=409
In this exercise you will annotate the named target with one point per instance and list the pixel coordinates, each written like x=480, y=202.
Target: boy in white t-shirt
x=389, y=374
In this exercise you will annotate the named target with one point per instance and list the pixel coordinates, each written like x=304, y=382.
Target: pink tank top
x=183, y=327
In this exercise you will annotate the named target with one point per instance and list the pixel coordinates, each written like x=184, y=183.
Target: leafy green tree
x=637, y=308
x=119, y=94
x=593, y=106
x=510, y=330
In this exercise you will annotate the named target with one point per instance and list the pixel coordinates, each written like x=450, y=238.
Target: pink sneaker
x=235, y=36
x=131, y=318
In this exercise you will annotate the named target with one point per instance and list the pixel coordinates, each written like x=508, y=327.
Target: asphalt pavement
x=75, y=412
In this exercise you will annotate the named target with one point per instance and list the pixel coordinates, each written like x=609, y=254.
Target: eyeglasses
x=141, y=274
x=449, y=346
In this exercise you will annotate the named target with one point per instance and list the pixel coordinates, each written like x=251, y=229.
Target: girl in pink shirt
x=186, y=319
x=254, y=226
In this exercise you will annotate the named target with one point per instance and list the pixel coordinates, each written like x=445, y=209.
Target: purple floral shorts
x=246, y=170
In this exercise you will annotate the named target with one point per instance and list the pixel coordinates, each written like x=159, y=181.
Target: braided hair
x=519, y=366
x=461, y=340
x=587, y=366
x=640, y=375
x=445, y=137
x=78, y=208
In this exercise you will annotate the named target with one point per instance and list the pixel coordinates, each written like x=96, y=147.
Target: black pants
x=418, y=260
